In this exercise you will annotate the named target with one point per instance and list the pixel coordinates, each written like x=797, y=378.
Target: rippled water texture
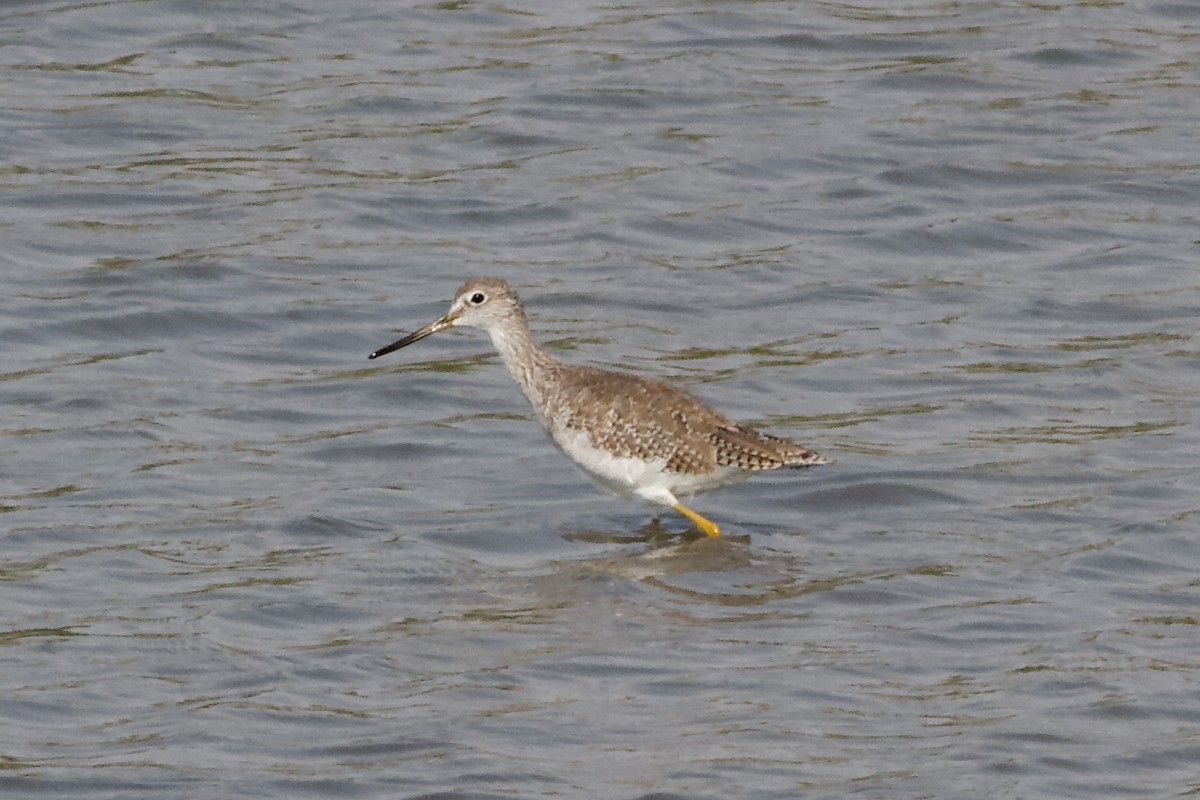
x=951, y=245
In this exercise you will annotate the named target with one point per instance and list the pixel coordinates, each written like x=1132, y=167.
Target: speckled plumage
x=633, y=416
x=633, y=435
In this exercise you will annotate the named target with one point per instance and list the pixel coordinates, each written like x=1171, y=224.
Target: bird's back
x=630, y=416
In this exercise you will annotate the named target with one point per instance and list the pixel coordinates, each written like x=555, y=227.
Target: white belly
x=634, y=477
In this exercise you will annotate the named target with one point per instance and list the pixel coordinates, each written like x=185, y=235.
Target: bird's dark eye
x=478, y=298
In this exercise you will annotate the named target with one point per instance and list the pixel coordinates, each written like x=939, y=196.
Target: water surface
x=951, y=246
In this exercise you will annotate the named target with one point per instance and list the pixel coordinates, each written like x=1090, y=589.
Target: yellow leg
x=706, y=525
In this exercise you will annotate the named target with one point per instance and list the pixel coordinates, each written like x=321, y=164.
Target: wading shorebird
x=634, y=436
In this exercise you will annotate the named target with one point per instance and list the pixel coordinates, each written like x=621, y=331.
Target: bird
x=636, y=437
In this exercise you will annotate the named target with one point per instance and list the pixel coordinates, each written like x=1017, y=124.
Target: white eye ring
x=478, y=299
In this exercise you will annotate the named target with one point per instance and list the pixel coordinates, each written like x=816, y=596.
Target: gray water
x=951, y=245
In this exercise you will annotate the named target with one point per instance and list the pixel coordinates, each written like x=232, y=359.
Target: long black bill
x=415, y=336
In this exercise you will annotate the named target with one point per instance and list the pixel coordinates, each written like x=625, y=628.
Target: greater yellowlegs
x=633, y=436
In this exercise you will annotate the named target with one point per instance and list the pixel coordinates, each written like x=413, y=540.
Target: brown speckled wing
x=632, y=416
x=746, y=448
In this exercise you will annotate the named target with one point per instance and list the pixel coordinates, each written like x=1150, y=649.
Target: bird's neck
x=527, y=361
